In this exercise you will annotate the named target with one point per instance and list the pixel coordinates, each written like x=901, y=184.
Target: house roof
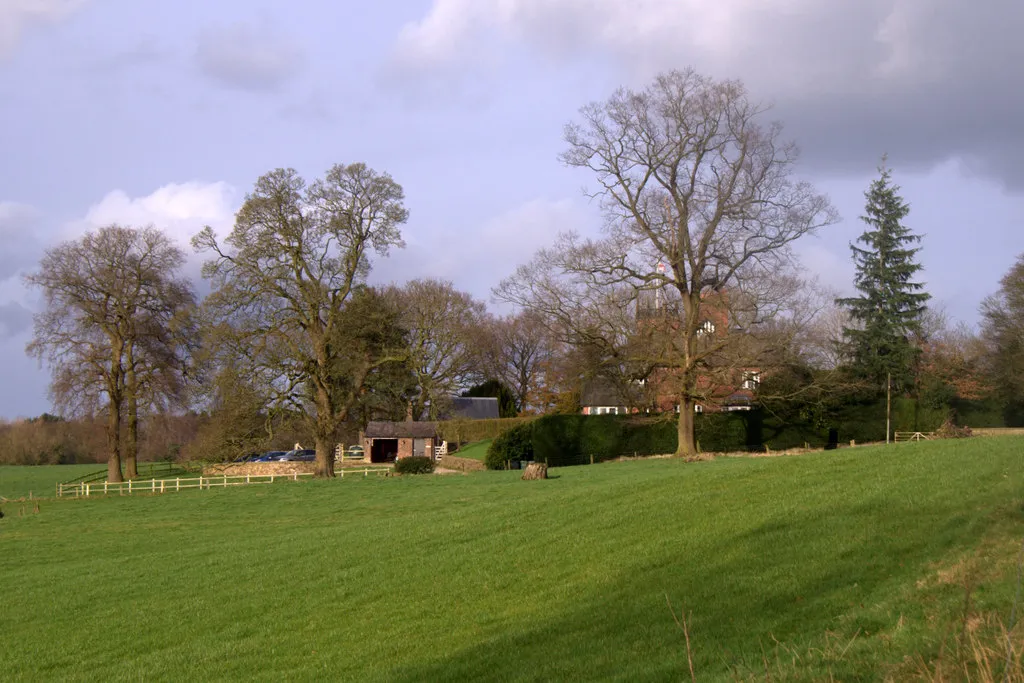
x=600, y=391
x=401, y=430
x=468, y=408
x=474, y=408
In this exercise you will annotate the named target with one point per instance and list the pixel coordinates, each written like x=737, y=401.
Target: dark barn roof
x=467, y=408
x=478, y=408
x=401, y=430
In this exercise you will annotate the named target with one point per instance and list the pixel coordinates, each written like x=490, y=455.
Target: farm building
x=388, y=441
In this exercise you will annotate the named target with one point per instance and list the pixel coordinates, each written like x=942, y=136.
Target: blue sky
x=142, y=112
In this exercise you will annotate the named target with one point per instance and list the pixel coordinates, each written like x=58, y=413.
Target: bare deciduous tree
x=690, y=179
x=516, y=350
x=282, y=282
x=442, y=325
x=109, y=328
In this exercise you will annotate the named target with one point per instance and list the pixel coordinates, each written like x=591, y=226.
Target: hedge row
x=468, y=431
x=561, y=440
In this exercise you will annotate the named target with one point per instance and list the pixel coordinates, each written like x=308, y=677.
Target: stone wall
x=260, y=468
x=462, y=464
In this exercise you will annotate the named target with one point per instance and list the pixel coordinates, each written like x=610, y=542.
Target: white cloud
x=18, y=15
x=247, y=57
x=179, y=209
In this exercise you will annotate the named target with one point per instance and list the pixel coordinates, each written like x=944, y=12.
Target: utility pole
x=888, y=404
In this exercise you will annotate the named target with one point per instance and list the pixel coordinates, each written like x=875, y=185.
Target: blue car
x=303, y=455
x=271, y=456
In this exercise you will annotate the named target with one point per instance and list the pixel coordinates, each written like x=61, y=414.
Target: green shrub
x=514, y=444
x=469, y=431
x=417, y=464
x=602, y=437
x=722, y=432
x=650, y=437
x=556, y=439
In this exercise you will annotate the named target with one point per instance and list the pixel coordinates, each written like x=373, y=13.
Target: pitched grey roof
x=600, y=391
x=468, y=408
x=401, y=430
x=474, y=408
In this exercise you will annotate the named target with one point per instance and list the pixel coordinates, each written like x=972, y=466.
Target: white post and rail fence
x=84, y=489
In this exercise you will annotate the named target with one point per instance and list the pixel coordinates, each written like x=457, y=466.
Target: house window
x=751, y=380
x=706, y=327
x=698, y=408
x=606, y=410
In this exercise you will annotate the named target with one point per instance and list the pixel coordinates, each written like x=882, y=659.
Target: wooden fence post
x=177, y=484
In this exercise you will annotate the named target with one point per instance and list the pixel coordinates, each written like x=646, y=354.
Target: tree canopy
x=114, y=328
x=701, y=206
x=887, y=312
x=284, y=278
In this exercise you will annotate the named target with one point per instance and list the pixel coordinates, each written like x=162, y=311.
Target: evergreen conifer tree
x=888, y=310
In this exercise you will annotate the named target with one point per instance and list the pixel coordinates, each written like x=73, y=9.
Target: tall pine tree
x=889, y=308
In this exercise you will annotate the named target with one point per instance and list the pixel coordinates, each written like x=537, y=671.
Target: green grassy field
x=40, y=480
x=837, y=564
x=476, y=451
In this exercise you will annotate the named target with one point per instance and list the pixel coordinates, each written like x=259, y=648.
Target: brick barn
x=389, y=441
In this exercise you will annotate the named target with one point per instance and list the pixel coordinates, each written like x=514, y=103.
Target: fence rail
x=914, y=436
x=84, y=489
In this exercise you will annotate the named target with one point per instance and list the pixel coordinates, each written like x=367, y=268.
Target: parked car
x=271, y=456
x=303, y=455
x=355, y=452
x=248, y=457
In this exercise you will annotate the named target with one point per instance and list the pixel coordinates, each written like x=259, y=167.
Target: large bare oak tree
x=282, y=282
x=690, y=177
x=114, y=329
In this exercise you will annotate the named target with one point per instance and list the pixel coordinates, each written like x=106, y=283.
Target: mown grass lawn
x=476, y=450
x=831, y=564
x=40, y=480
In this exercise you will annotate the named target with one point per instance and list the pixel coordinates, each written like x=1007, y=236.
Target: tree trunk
x=131, y=449
x=888, y=406
x=324, y=458
x=687, y=447
x=536, y=470
x=114, y=442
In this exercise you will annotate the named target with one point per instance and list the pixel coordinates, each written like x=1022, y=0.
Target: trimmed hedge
x=561, y=440
x=417, y=464
x=514, y=444
x=468, y=431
